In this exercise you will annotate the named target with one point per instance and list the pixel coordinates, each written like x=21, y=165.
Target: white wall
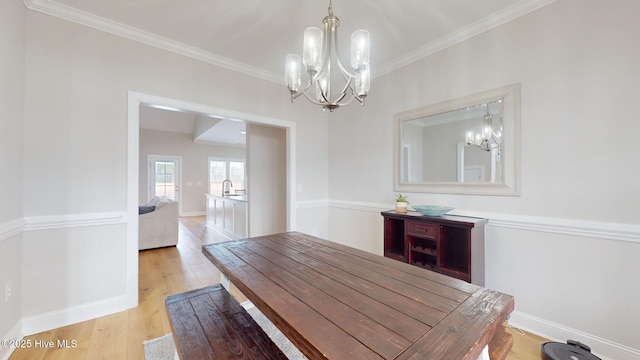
x=267, y=179
x=12, y=32
x=568, y=247
x=75, y=156
x=195, y=165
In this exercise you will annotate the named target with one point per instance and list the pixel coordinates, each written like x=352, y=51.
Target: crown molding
x=494, y=20
x=53, y=8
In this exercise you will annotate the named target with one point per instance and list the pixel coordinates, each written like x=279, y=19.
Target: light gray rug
x=163, y=348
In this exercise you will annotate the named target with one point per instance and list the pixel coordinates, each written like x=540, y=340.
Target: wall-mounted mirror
x=468, y=145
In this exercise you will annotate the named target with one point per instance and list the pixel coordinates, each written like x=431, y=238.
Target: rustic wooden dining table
x=337, y=302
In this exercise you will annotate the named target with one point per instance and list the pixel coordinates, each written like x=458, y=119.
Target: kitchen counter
x=244, y=198
x=228, y=214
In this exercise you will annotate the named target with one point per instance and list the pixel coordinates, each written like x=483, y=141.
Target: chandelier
x=320, y=54
x=488, y=139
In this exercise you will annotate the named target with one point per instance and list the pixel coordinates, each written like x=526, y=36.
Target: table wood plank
x=257, y=341
x=189, y=324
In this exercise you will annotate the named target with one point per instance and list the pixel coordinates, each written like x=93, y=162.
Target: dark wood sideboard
x=449, y=244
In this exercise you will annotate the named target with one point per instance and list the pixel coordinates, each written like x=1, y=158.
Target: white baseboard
x=71, y=315
x=605, y=349
x=60, y=318
x=14, y=334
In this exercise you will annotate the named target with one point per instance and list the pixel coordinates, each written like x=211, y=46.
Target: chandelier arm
x=335, y=103
x=343, y=69
x=300, y=92
x=321, y=72
x=342, y=95
x=348, y=101
x=325, y=103
x=313, y=101
x=325, y=99
x=347, y=86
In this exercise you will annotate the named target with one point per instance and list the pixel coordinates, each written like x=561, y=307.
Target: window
x=220, y=170
x=164, y=176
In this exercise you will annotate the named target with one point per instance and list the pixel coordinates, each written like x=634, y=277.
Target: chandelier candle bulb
x=363, y=83
x=469, y=136
x=292, y=72
x=486, y=132
x=360, y=50
x=322, y=88
x=312, y=50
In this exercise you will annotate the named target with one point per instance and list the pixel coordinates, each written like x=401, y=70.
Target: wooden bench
x=209, y=323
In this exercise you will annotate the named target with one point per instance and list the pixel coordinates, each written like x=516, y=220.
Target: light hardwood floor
x=164, y=272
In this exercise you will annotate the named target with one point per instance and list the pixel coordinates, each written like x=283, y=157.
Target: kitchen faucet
x=230, y=186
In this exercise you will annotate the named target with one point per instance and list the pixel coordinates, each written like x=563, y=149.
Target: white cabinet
x=228, y=215
x=240, y=222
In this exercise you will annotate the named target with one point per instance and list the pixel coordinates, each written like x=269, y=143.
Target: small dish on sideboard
x=432, y=210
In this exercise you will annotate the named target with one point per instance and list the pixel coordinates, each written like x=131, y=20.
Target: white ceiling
x=202, y=128
x=253, y=36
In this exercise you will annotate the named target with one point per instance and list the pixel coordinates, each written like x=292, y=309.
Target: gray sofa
x=158, y=223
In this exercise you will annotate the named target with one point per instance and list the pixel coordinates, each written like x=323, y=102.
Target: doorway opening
x=135, y=101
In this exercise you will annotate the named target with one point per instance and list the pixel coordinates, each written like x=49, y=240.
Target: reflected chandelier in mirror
x=468, y=145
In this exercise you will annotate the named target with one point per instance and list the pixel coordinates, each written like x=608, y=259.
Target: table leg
x=500, y=345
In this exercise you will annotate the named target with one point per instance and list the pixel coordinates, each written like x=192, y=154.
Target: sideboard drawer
x=429, y=231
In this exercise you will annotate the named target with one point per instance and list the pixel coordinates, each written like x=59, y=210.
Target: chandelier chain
x=330, y=8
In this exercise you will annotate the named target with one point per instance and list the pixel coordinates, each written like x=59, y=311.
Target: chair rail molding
x=11, y=229
x=48, y=222
x=582, y=228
